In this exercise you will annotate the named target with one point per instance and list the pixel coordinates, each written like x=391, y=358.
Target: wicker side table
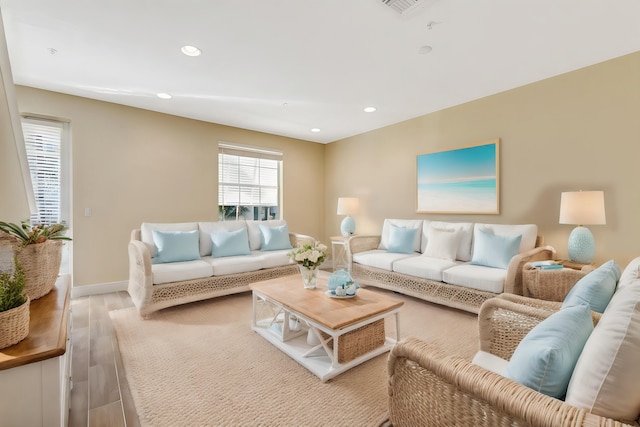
x=550, y=285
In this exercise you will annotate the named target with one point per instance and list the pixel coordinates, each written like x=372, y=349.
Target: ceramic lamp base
x=348, y=226
x=581, y=245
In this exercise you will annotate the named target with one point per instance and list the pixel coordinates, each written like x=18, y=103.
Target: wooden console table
x=35, y=373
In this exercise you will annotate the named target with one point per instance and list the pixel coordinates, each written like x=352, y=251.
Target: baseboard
x=97, y=289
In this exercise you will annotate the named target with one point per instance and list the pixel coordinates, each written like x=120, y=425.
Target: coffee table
x=325, y=335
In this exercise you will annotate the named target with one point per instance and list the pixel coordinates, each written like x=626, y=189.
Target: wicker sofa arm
x=503, y=323
x=296, y=239
x=427, y=388
x=513, y=281
x=140, y=286
x=552, y=285
x=362, y=243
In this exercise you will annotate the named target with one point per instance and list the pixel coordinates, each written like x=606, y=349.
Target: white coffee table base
x=287, y=330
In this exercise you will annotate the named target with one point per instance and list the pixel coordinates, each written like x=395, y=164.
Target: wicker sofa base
x=455, y=296
x=176, y=293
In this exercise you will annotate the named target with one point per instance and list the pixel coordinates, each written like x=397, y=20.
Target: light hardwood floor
x=100, y=396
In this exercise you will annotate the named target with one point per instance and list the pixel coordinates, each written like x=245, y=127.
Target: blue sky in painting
x=458, y=165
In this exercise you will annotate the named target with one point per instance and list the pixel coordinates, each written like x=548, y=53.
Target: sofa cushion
x=255, y=236
x=405, y=223
x=630, y=274
x=596, y=288
x=206, y=228
x=423, y=266
x=235, y=264
x=146, y=231
x=466, y=236
x=401, y=239
x=529, y=233
x=274, y=238
x=546, y=357
x=606, y=380
x=176, y=246
x=490, y=362
x=442, y=243
x=230, y=243
x=270, y=259
x=379, y=258
x=179, y=271
x=476, y=277
x=492, y=250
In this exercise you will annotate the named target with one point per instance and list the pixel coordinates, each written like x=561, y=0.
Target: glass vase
x=309, y=276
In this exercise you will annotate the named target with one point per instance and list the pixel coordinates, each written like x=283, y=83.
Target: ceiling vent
x=403, y=6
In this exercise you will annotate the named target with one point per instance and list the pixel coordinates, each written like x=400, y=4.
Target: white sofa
x=458, y=264
x=178, y=263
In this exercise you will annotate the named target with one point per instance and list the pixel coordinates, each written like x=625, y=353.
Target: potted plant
x=38, y=250
x=14, y=306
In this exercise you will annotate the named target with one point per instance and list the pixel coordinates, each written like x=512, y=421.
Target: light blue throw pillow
x=545, y=358
x=176, y=246
x=401, y=239
x=274, y=238
x=596, y=288
x=230, y=243
x=493, y=250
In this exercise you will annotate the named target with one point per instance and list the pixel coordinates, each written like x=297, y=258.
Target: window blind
x=43, y=146
x=248, y=177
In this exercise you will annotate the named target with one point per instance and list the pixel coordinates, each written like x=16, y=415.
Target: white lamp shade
x=582, y=208
x=348, y=205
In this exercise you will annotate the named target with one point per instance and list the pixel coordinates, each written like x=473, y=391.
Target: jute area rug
x=200, y=364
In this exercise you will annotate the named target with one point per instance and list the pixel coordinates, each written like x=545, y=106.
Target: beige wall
x=580, y=130
x=576, y=131
x=132, y=165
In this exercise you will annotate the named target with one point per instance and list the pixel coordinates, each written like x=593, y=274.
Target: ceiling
x=287, y=66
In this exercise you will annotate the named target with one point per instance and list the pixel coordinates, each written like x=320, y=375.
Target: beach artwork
x=460, y=181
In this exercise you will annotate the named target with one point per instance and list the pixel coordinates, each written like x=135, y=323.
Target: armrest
x=502, y=323
x=362, y=243
x=426, y=388
x=513, y=281
x=140, y=286
x=296, y=239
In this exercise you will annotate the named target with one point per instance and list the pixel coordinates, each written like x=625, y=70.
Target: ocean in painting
x=465, y=195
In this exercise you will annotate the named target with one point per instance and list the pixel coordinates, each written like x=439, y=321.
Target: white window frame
x=261, y=209
x=29, y=126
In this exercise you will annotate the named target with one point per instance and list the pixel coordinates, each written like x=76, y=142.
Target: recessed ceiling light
x=191, y=50
x=315, y=130
x=425, y=49
x=369, y=109
x=163, y=95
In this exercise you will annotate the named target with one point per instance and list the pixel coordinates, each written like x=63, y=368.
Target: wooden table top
x=316, y=305
x=47, y=329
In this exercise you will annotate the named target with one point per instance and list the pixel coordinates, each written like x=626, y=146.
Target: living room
x=573, y=131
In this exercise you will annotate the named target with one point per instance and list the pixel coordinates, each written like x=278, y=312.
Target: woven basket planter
x=41, y=264
x=14, y=325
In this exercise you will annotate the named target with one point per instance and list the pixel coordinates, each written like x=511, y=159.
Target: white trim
x=97, y=289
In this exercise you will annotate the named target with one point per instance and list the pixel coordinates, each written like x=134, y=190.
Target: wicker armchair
x=430, y=388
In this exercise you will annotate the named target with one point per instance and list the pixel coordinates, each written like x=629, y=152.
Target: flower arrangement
x=309, y=255
x=29, y=235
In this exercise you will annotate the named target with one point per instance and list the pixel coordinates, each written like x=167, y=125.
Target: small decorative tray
x=332, y=294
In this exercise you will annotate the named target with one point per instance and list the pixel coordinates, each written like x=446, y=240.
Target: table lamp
x=348, y=206
x=582, y=208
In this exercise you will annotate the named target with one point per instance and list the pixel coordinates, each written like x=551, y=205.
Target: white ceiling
x=286, y=66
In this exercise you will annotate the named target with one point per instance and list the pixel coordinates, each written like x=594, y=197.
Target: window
x=249, y=183
x=47, y=147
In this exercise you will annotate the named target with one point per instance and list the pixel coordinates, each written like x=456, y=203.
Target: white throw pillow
x=466, y=236
x=443, y=243
x=606, y=380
